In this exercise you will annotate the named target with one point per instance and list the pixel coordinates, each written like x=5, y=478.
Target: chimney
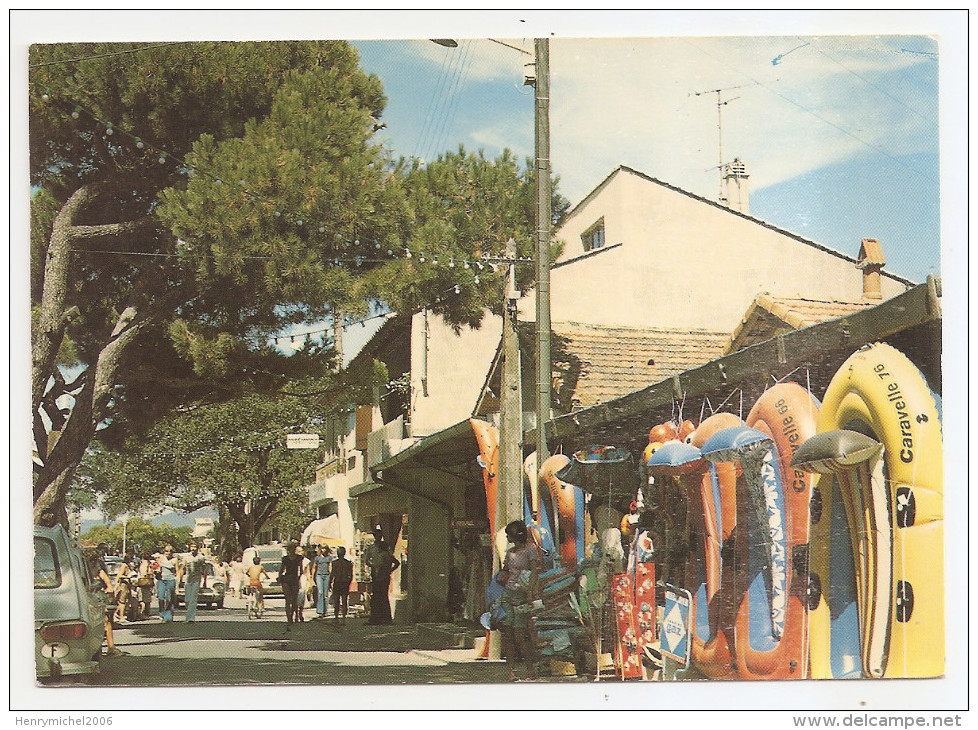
x=871, y=261
x=735, y=183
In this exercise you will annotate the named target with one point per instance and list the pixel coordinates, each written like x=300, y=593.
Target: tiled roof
x=770, y=316
x=593, y=364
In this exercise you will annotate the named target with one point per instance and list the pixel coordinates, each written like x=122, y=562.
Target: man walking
x=166, y=586
x=192, y=571
x=340, y=578
x=320, y=571
x=289, y=578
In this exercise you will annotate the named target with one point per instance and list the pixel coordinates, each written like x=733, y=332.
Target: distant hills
x=173, y=519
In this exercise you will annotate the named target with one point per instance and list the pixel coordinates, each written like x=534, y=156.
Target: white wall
x=456, y=366
x=685, y=263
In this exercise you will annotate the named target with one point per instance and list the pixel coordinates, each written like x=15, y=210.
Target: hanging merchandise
x=628, y=655
x=879, y=526
x=569, y=510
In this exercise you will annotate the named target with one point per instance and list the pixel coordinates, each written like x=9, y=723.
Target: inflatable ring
x=878, y=391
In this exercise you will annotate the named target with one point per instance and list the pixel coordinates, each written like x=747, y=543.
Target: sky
x=840, y=134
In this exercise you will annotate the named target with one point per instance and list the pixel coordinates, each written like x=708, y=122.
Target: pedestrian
x=144, y=585
x=519, y=575
x=305, y=583
x=192, y=572
x=166, y=583
x=340, y=578
x=98, y=568
x=383, y=563
x=237, y=576
x=123, y=590
x=289, y=578
x=221, y=572
x=320, y=572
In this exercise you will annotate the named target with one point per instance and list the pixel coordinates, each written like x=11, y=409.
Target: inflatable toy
x=487, y=437
x=710, y=493
x=893, y=512
x=569, y=513
x=787, y=414
x=843, y=607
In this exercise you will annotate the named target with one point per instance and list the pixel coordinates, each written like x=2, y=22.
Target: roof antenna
x=721, y=102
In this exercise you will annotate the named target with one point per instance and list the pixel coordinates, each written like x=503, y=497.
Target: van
x=271, y=557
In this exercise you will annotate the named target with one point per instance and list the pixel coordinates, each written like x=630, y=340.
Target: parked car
x=271, y=557
x=69, y=608
x=211, y=593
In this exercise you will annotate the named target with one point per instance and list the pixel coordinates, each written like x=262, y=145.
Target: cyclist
x=255, y=572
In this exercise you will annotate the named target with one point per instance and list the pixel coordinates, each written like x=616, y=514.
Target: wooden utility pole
x=509, y=495
x=542, y=178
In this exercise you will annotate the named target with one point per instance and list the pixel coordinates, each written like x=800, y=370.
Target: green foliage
x=225, y=455
x=141, y=536
x=236, y=192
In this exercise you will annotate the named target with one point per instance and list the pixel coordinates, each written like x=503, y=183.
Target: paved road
x=224, y=647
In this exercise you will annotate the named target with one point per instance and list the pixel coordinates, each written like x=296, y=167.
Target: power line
x=813, y=113
x=875, y=86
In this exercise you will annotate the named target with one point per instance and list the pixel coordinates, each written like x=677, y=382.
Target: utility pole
x=509, y=502
x=541, y=46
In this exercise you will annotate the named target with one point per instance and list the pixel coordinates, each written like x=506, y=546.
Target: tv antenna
x=721, y=102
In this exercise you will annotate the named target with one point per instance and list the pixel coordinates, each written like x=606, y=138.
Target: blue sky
x=840, y=136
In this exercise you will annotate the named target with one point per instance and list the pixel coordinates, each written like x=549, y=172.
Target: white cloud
x=634, y=101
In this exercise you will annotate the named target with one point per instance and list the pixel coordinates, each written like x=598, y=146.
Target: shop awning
x=451, y=453
x=323, y=532
x=910, y=321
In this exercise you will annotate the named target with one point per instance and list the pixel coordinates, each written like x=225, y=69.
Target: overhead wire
x=816, y=115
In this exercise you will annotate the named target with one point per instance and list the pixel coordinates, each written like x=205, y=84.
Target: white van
x=271, y=557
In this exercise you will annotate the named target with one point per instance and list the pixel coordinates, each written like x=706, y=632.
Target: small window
x=593, y=237
x=46, y=570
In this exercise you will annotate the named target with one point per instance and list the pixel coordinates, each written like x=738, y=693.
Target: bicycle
x=255, y=602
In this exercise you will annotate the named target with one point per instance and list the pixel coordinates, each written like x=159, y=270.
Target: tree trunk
x=54, y=478
x=49, y=325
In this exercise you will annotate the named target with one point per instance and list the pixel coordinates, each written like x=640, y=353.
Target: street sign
x=302, y=441
x=675, y=637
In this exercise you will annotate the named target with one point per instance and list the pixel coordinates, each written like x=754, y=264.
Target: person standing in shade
x=520, y=588
x=289, y=578
x=166, y=585
x=340, y=578
x=320, y=572
x=192, y=571
x=144, y=584
x=383, y=563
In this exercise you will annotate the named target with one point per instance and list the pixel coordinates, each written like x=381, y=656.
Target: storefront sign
x=302, y=441
x=470, y=524
x=675, y=635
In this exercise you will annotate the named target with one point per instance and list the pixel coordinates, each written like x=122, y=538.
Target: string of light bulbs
x=394, y=253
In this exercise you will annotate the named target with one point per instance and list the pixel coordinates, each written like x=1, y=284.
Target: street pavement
x=223, y=647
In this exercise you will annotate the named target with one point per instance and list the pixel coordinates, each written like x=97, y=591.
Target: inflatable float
x=568, y=502
x=889, y=501
x=787, y=414
x=487, y=437
x=536, y=513
x=710, y=494
x=771, y=534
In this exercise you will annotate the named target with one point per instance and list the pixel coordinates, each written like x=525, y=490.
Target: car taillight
x=60, y=632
